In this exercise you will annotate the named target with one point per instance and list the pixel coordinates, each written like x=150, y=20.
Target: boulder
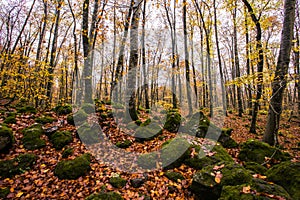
x=88, y=108
x=173, y=121
x=44, y=120
x=31, y=138
x=67, y=152
x=255, y=168
x=174, y=176
x=63, y=109
x=89, y=134
x=61, y=139
x=73, y=169
x=117, y=182
x=286, y=174
x=256, y=151
x=137, y=182
x=144, y=133
x=6, y=139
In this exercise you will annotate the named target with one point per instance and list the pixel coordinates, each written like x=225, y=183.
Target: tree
x=280, y=81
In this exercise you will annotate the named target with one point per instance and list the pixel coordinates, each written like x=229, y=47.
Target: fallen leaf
x=246, y=189
x=19, y=194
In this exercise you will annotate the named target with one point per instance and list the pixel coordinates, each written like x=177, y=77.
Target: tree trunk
x=280, y=81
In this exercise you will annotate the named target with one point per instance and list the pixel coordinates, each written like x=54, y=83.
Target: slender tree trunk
x=280, y=81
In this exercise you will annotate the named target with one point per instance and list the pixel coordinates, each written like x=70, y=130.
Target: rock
x=173, y=121
x=256, y=151
x=147, y=160
x=6, y=139
x=60, y=139
x=137, y=182
x=18, y=165
x=124, y=144
x=225, y=138
x=204, y=184
x=79, y=117
x=105, y=196
x=89, y=135
x=31, y=138
x=218, y=154
x=73, y=169
x=174, y=176
x=147, y=133
x=70, y=119
x=63, y=109
x=27, y=109
x=255, y=167
x=67, y=152
x=88, y=108
x=51, y=130
x=10, y=120
x=117, y=182
x=44, y=120
x=286, y=174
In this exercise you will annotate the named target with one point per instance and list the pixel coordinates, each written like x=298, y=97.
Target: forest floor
x=41, y=183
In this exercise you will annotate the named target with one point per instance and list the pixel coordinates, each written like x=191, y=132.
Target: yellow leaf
x=19, y=194
x=246, y=189
x=218, y=180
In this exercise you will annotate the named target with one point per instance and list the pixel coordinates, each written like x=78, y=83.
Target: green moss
x=147, y=160
x=225, y=138
x=73, y=169
x=235, y=193
x=218, y=154
x=63, y=109
x=146, y=123
x=174, y=153
x=18, y=165
x=44, y=120
x=105, y=196
x=4, y=192
x=6, y=139
x=60, y=139
x=70, y=119
x=10, y=120
x=88, y=108
x=234, y=174
x=286, y=174
x=256, y=151
x=80, y=116
x=255, y=167
x=124, y=144
x=173, y=122
x=67, y=152
x=27, y=109
x=174, y=176
x=31, y=138
x=117, y=182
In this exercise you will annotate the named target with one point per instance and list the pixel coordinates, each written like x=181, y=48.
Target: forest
x=140, y=99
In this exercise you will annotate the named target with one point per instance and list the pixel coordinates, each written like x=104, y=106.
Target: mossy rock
x=6, y=139
x=174, y=153
x=18, y=165
x=118, y=106
x=286, y=174
x=226, y=140
x=256, y=151
x=61, y=139
x=67, y=152
x=88, y=108
x=63, y=109
x=27, y=109
x=174, y=176
x=173, y=122
x=31, y=138
x=10, y=120
x=105, y=196
x=148, y=160
x=117, y=182
x=80, y=116
x=255, y=167
x=4, y=192
x=204, y=184
x=89, y=134
x=218, y=154
x=73, y=169
x=44, y=120
x=70, y=119
x=124, y=144
x=147, y=133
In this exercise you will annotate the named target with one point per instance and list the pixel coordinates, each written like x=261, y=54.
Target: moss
x=70, y=119
x=234, y=174
x=174, y=176
x=286, y=174
x=44, y=120
x=4, y=192
x=105, y=196
x=88, y=108
x=63, y=109
x=6, y=139
x=262, y=186
x=218, y=154
x=147, y=160
x=73, y=169
x=225, y=138
x=67, y=152
x=124, y=144
x=27, y=109
x=80, y=116
x=31, y=138
x=147, y=133
x=88, y=134
x=117, y=182
x=173, y=122
x=174, y=153
x=256, y=151
x=235, y=193
x=255, y=167
x=60, y=139
x=146, y=123
x=18, y=165
x=10, y=120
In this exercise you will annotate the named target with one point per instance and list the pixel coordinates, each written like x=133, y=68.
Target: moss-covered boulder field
x=44, y=156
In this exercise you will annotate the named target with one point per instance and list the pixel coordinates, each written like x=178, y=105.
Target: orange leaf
x=246, y=190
